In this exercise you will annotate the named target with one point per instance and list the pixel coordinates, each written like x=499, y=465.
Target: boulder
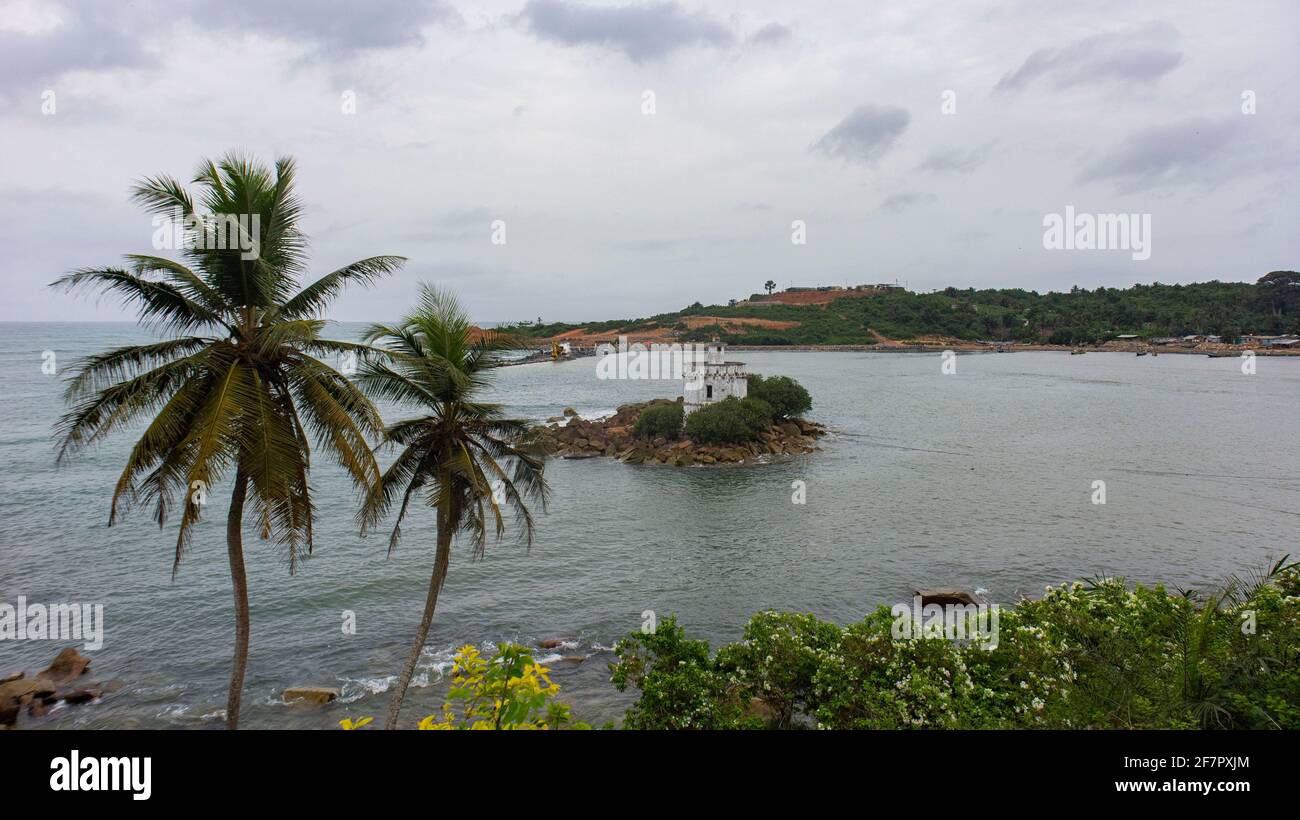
x=311, y=694
x=945, y=596
x=759, y=708
x=84, y=694
x=24, y=690
x=68, y=664
x=569, y=411
x=552, y=643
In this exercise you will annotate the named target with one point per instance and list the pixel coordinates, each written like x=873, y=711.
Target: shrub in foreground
x=1087, y=655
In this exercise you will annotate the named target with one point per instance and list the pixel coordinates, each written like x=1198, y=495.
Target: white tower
x=712, y=380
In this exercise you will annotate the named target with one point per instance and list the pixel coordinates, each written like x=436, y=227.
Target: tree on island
x=769, y=286
x=786, y=396
x=467, y=460
x=241, y=387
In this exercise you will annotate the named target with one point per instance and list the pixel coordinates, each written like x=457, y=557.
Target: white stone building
x=712, y=380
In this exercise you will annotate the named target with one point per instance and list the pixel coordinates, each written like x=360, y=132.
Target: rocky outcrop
x=947, y=596
x=67, y=665
x=61, y=681
x=311, y=694
x=612, y=437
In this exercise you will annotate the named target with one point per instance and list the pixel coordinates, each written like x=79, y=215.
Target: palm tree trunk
x=235, y=547
x=440, y=563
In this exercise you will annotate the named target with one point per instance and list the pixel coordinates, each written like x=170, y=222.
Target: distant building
x=1271, y=341
x=714, y=379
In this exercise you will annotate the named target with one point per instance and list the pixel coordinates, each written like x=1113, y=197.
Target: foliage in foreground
x=507, y=691
x=1087, y=655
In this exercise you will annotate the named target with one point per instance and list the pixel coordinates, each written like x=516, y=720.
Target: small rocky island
x=724, y=416
x=572, y=436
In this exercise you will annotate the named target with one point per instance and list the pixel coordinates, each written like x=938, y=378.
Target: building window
x=708, y=392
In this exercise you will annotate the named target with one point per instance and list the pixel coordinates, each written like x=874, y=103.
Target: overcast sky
x=533, y=112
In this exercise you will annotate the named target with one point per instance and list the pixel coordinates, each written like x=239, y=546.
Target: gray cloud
x=1143, y=55
x=771, y=34
x=89, y=41
x=93, y=38
x=1188, y=151
x=464, y=223
x=336, y=25
x=865, y=134
x=952, y=159
x=647, y=32
x=897, y=203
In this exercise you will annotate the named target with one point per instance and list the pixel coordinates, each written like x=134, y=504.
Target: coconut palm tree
x=240, y=383
x=463, y=457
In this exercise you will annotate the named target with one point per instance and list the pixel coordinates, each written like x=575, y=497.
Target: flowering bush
x=1087, y=655
x=507, y=691
x=510, y=691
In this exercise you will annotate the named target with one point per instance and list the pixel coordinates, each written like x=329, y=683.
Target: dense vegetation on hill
x=1271, y=305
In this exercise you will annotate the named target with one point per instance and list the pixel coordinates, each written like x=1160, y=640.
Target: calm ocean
x=982, y=478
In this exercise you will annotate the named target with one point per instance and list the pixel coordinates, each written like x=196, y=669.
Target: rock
x=13, y=677
x=24, y=690
x=311, y=694
x=759, y=708
x=575, y=659
x=83, y=695
x=554, y=419
x=569, y=411
x=945, y=596
x=552, y=643
x=67, y=665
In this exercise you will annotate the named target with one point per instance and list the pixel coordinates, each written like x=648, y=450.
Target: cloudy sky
x=646, y=155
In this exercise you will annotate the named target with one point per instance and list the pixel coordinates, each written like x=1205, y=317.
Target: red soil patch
x=736, y=324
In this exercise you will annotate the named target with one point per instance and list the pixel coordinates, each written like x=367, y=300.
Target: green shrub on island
x=730, y=421
x=1087, y=655
x=786, y=396
x=659, y=420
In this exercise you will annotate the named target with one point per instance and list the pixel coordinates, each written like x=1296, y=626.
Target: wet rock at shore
x=56, y=683
x=949, y=596
x=311, y=694
x=612, y=437
x=553, y=643
x=67, y=665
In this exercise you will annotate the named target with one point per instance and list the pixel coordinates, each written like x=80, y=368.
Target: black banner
x=140, y=771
